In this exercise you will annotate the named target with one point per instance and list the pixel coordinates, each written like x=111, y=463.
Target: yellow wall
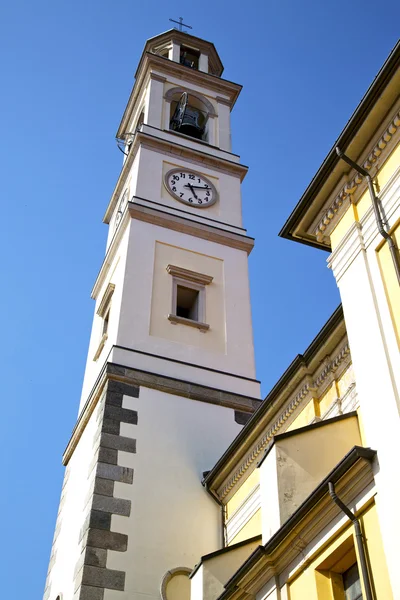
x=317, y=581
x=306, y=415
x=345, y=380
x=355, y=213
x=178, y=587
x=252, y=528
x=343, y=225
x=328, y=398
x=242, y=493
x=390, y=282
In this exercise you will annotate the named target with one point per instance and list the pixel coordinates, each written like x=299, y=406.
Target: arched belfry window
x=190, y=114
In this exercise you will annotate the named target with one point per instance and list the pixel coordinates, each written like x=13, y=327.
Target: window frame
x=194, y=281
x=103, y=312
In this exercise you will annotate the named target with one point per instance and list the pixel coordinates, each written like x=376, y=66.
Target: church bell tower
x=170, y=375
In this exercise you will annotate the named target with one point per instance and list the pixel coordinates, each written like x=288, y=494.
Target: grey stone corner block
x=109, y=540
x=125, y=415
x=105, y=578
x=114, y=472
x=118, y=442
x=115, y=506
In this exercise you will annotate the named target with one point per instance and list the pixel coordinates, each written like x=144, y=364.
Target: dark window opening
x=187, y=303
x=189, y=57
x=352, y=584
x=105, y=321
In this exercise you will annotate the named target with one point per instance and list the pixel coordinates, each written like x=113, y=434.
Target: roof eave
x=352, y=127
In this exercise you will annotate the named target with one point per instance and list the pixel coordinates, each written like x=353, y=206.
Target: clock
x=190, y=187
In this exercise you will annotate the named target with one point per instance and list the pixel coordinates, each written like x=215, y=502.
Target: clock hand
x=193, y=192
x=200, y=187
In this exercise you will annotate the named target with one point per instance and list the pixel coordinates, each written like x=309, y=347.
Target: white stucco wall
x=173, y=519
x=73, y=513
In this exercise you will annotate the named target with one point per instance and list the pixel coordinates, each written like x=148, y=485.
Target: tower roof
x=191, y=41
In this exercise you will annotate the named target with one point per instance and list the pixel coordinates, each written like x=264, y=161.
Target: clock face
x=190, y=188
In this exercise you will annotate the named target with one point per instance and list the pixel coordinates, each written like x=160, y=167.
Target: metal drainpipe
x=375, y=204
x=359, y=540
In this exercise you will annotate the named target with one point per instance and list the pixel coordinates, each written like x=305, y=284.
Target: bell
x=187, y=119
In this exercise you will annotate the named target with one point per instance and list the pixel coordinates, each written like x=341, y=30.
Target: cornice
x=166, y=219
x=379, y=149
x=314, y=386
x=169, y=67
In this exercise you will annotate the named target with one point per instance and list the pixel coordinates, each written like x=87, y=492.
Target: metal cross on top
x=181, y=24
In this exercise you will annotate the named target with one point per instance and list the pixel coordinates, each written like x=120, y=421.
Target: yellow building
x=310, y=486
x=302, y=500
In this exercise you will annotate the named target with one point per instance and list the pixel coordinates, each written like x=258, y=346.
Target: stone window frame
x=194, y=281
x=104, y=313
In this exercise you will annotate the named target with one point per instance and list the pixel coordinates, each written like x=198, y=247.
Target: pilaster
x=356, y=274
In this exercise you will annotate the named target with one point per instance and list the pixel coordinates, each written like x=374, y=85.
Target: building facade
x=301, y=501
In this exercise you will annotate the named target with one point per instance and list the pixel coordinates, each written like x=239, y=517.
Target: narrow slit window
x=105, y=321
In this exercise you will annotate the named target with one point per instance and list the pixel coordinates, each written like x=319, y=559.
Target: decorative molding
x=169, y=96
x=189, y=275
x=385, y=142
x=158, y=77
x=222, y=100
x=347, y=251
x=183, y=321
x=243, y=513
x=105, y=301
x=99, y=350
x=198, y=229
x=169, y=575
x=290, y=407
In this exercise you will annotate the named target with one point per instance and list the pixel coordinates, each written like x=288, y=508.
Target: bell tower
x=170, y=374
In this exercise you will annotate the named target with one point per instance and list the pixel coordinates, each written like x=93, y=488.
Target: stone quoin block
x=115, y=472
x=105, y=578
x=118, y=442
x=109, y=540
x=116, y=506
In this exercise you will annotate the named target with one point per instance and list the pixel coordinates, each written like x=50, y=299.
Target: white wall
x=134, y=327
x=173, y=519
x=73, y=512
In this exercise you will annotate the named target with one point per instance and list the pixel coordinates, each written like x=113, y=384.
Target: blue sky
x=67, y=72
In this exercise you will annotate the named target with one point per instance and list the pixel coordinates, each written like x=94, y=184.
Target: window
x=189, y=57
x=189, y=116
x=341, y=571
x=352, y=583
x=104, y=313
x=188, y=297
x=187, y=303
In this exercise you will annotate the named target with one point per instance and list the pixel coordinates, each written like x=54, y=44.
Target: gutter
x=359, y=539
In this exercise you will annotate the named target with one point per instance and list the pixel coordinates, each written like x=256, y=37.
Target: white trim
x=242, y=515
